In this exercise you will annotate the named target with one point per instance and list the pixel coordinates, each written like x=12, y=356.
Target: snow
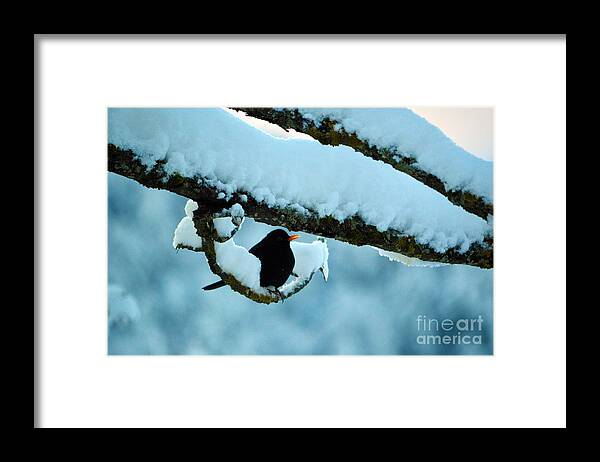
x=310, y=258
x=190, y=207
x=185, y=233
x=241, y=264
x=236, y=210
x=408, y=133
x=224, y=227
x=408, y=261
x=227, y=226
x=301, y=174
x=268, y=127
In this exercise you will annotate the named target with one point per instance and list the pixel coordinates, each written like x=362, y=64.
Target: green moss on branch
x=327, y=133
x=352, y=230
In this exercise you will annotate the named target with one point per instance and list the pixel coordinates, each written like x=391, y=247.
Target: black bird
x=276, y=259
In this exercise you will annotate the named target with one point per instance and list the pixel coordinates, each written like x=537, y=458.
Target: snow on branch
x=351, y=230
x=234, y=264
x=401, y=138
x=217, y=160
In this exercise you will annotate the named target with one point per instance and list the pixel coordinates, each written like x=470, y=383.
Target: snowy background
x=369, y=305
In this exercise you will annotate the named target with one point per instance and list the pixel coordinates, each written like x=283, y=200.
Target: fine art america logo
x=433, y=331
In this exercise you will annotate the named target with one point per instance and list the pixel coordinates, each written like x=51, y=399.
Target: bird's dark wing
x=258, y=250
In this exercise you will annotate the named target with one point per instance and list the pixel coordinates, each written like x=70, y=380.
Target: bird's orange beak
x=293, y=236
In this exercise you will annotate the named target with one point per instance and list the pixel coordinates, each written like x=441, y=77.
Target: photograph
x=281, y=231
x=300, y=231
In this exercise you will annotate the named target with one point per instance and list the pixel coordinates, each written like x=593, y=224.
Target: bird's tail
x=214, y=285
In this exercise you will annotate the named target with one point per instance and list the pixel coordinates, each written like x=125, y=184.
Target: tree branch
x=327, y=133
x=353, y=230
x=205, y=229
